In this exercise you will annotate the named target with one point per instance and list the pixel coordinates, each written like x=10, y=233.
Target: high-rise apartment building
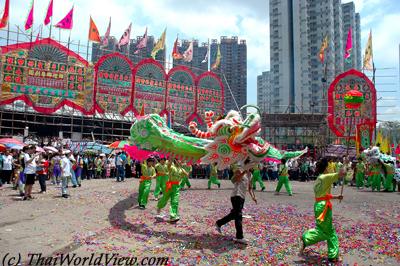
x=351, y=19
x=232, y=70
x=299, y=80
x=281, y=55
x=98, y=51
x=264, y=92
x=145, y=52
x=358, y=43
x=198, y=65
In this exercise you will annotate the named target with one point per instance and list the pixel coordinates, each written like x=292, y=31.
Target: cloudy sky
x=204, y=19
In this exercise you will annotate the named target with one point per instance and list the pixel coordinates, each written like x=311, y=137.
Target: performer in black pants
x=241, y=180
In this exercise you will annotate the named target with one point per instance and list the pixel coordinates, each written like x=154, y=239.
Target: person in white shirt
x=7, y=167
x=30, y=170
x=65, y=173
x=241, y=180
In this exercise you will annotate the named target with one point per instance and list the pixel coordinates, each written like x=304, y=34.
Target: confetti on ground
x=104, y=218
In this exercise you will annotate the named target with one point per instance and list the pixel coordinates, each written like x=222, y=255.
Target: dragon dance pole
x=353, y=100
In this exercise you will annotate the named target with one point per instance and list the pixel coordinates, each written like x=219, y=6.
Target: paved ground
x=101, y=216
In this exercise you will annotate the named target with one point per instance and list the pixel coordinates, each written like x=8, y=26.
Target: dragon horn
x=251, y=105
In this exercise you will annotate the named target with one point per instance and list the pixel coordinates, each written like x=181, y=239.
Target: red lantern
x=353, y=99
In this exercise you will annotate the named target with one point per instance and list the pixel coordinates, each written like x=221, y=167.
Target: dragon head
x=248, y=130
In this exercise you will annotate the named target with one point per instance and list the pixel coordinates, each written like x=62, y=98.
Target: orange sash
x=374, y=173
x=328, y=205
x=144, y=178
x=169, y=185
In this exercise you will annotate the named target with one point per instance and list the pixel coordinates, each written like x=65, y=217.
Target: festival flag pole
x=93, y=35
x=352, y=100
x=87, y=51
x=51, y=25
x=17, y=35
x=8, y=33
x=69, y=38
x=208, y=55
x=49, y=15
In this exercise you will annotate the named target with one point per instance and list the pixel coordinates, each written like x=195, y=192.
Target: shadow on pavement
x=216, y=243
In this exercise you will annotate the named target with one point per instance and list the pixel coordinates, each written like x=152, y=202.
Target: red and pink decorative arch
x=47, y=76
x=113, y=84
x=181, y=93
x=340, y=117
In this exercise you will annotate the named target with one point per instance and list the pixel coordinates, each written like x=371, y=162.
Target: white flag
x=205, y=60
x=188, y=54
x=125, y=37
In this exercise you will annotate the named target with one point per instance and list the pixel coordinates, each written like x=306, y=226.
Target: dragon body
x=226, y=141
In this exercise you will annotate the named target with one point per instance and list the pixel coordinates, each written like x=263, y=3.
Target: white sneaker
x=241, y=241
x=174, y=220
x=160, y=216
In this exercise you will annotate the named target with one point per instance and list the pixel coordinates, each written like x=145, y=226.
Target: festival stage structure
x=340, y=124
x=49, y=88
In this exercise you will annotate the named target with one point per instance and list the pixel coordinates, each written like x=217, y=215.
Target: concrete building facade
x=299, y=80
x=232, y=70
x=264, y=92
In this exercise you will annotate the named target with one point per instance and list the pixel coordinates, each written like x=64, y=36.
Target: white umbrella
x=39, y=149
x=31, y=142
x=66, y=152
x=49, y=148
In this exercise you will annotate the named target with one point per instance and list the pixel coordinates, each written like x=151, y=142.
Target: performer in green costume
x=148, y=173
x=360, y=173
x=162, y=177
x=283, y=179
x=257, y=178
x=369, y=175
x=390, y=171
x=185, y=179
x=376, y=177
x=214, y=176
x=176, y=173
x=324, y=230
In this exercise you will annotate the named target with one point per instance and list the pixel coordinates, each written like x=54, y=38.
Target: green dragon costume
x=227, y=141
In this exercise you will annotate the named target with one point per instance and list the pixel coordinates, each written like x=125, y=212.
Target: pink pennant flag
x=142, y=44
x=349, y=46
x=104, y=41
x=29, y=19
x=125, y=37
x=49, y=13
x=67, y=21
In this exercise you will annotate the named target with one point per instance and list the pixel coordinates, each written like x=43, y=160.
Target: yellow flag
x=217, y=60
x=385, y=146
x=324, y=46
x=368, y=57
x=159, y=45
x=379, y=138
